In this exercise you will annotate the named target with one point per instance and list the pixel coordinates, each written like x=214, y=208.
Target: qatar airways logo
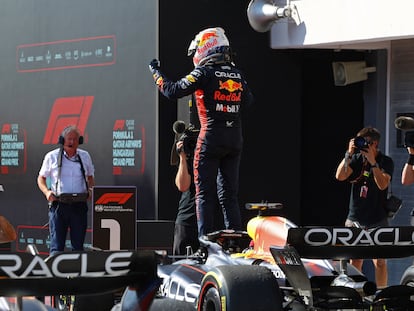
x=348, y=237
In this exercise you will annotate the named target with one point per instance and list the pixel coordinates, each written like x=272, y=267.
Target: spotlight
x=262, y=14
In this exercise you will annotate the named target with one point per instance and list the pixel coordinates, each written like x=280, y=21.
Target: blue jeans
x=64, y=217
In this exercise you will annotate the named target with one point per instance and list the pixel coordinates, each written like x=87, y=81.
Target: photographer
x=369, y=171
x=185, y=230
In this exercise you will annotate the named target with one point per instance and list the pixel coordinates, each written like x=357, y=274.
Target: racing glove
x=154, y=65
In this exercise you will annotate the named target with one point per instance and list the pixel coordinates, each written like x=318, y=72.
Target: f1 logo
x=117, y=197
x=67, y=111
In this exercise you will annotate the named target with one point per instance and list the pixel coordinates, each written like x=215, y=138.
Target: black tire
x=101, y=302
x=408, y=277
x=211, y=301
x=130, y=302
x=163, y=304
x=239, y=288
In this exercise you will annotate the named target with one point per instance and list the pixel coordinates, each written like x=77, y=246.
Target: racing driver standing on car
x=221, y=94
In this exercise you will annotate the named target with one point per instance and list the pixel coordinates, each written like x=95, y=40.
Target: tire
x=408, y=277
x=163, y=304
x=211, y=301
x=239, y=288
x=101, y=302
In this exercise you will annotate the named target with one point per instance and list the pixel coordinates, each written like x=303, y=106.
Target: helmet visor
x=193, y=46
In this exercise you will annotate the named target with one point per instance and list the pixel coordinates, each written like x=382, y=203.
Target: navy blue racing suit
x=221, y=94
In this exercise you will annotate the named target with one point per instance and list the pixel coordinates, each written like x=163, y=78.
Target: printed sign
x=114, y=218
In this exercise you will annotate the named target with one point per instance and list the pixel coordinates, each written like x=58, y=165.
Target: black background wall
x=299, y=128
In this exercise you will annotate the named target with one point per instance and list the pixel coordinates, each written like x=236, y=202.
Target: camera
x=409, y=139
x=188, y=135
x=361, y=143
x=189, y=139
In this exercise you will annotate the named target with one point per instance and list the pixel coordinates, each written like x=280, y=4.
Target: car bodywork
x=83, y=275
x=275, y=265
x=86, y=276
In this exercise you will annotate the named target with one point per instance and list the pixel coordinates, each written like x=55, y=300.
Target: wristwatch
x=375, y=165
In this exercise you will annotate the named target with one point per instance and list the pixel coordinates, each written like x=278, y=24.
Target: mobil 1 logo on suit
x=114, y=218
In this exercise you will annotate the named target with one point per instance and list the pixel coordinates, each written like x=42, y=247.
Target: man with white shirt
x=69, y=171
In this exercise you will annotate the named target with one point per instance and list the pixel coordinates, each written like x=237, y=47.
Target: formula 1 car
x=276, y=265
x=88, y=278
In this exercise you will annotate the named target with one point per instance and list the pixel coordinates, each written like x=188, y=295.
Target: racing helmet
x=210, y=46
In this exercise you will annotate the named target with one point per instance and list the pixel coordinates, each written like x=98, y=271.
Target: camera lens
x=360, y=142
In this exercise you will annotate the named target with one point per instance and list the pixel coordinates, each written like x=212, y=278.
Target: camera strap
x=366, y=167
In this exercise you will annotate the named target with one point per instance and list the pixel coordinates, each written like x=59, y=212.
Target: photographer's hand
x=183, y=177
x=381, y=178
x=351, y=147
x=370, y=154
x=407, y=176
x=180, y=148
x=343, y=170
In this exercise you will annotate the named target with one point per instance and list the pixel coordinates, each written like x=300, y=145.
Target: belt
x=72, y=197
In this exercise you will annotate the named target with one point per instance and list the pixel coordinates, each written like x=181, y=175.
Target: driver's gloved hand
x=154, y=65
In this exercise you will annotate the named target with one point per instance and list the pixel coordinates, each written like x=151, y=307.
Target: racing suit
x=221, y=94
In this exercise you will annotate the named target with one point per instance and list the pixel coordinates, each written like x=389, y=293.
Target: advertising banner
x=83, y=64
